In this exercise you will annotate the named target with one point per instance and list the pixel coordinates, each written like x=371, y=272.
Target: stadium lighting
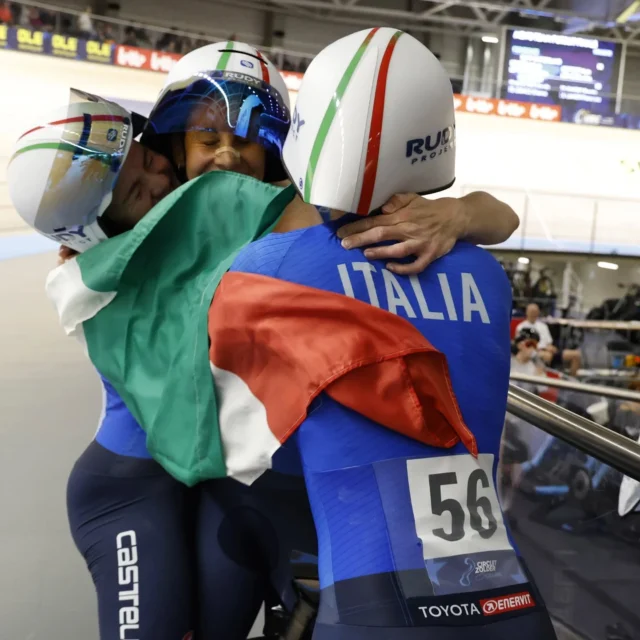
x=608, y=265
x=523, y=260
x=490, y=39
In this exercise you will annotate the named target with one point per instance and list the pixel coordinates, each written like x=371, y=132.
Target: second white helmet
x=374, y=116
x=228, y=87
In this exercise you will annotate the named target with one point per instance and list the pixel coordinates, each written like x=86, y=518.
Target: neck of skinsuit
x=298, y=215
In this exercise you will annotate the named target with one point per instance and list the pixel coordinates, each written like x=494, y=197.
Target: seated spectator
x=546, y=349
x=6, y=15
x=85, y=24
x=524, y=358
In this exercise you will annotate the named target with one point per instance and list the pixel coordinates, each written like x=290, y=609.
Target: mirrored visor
x=87, y=146
x=226, y=103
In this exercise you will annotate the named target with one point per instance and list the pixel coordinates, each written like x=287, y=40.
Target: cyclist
x=412, y=539
x=118, y=453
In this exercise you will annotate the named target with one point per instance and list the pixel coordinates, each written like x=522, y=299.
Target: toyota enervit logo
x=506, y=604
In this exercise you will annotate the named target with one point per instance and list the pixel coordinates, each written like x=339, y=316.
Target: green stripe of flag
x=224, y=58
x=332, y=109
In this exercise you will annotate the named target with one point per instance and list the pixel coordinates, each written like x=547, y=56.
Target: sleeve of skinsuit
x=405, y=550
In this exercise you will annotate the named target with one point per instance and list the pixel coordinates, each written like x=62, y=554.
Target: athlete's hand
x=64, y=254
x=427, y=229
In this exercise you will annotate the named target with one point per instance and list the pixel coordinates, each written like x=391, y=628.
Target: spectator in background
x=34, y=19
x=547, y=351
x=524, y=357
x=85, y=24
x=6, y=15
x=48, y=20
x=130, y=39
x=105, y=33
x=143, y=38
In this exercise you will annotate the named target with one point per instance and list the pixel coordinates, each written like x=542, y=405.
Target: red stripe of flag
x=375, y=131
x=265, y=68
x=103, y=118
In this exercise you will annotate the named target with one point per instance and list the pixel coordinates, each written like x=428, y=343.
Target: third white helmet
x=374, y=116
x=228, y=87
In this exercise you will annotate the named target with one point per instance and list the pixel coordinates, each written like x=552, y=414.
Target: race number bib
x=460, y=524
x=456, y=506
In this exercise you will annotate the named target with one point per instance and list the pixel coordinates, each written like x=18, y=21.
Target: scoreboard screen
x=576, y=72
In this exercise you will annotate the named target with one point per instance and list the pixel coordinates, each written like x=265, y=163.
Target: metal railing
x=609, y=447
x=595, y=389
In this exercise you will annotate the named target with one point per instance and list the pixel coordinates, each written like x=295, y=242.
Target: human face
x=212, y=151
x=210, y=145
x=533, y=313
x=527, y=349
x=145, y=178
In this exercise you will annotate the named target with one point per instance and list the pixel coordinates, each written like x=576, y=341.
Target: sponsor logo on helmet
x=247, y=63
x=297, y=123
x=68, y=234
x=242, y=77
x=432, y=146
x=112, y=134
x=123, y=137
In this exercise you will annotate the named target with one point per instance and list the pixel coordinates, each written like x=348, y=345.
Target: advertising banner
x=23, y=39
x=54, y=44
x=4, y=36
x=146, y=59
x=94, y=51
x=64, y=46
x=508, y=108
x=586, y=104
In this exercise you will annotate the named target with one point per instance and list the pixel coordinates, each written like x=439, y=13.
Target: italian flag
x=218, y=383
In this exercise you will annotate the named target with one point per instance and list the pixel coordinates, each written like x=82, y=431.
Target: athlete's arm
x=428, y=229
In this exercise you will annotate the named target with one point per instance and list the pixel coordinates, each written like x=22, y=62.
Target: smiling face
x=206, y=151
x=210, y=144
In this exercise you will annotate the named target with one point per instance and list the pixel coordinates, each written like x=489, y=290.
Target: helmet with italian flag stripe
x=63, y=169
x=374, y=116
x=228, y=87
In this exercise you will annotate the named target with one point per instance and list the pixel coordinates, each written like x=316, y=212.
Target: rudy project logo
x=297, y=122
x=507, y=604
x=433, y=145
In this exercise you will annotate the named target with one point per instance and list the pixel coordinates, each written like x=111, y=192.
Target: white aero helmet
x=374, y=116
x=228, y=87
x=63, y=169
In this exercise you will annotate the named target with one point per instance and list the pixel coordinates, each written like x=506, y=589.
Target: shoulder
x=473, y=258
x=264, y=256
